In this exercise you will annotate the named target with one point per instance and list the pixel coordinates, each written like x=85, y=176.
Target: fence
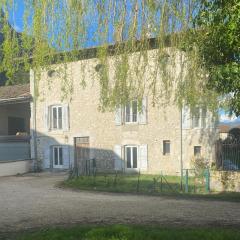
x=228, y=154
x=142, y=183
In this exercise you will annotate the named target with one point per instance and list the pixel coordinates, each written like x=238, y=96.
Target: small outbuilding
x=15, y=115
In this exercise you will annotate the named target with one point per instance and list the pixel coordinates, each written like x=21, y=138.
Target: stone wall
x=225, y=181
x=15, y=167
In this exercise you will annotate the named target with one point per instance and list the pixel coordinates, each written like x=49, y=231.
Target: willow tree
x=58, y=31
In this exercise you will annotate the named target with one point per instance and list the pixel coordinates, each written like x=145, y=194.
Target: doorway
x=82, y=153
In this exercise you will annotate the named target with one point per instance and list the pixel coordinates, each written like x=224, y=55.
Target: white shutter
x=118, y=161
x=143, y=114
x=66, y=162
x=186, y=118
x=118, y=116
x=47, y=161
x=47, y=123
x=65, y=109
x=143, y=157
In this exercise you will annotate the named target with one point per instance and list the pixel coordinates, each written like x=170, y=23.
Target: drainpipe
x=181, y=151
x=34, y=120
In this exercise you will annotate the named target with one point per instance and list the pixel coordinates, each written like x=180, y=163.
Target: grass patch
x=121, y=232
x=146, y=184
x=125, y=183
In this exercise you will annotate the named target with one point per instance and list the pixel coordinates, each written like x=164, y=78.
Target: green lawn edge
x=126, y=187
x=128, y=232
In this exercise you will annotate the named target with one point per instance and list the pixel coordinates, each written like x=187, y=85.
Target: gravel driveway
x=33, y=201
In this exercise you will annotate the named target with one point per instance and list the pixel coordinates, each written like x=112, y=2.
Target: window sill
x=57, y=131
x=167, y=155
x=130, y=123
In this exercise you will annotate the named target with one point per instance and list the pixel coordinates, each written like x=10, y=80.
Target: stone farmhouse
x=69, y=131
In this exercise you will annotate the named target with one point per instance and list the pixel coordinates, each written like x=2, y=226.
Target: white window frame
x=125, y=153
x=131, y=116
x=58, y=165
x=57, y=107
x=202, y=122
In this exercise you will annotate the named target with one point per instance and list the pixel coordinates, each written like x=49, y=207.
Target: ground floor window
x=131, y=156
x=166, y=147
x=57, y=156
x=197, y=150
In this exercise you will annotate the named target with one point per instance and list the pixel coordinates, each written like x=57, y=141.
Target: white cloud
x=227, y=118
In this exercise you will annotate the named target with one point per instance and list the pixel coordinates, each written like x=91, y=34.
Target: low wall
x=225, y=181
x=10, y=168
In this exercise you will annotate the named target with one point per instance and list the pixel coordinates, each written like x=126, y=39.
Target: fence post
x=161, y=183
x=138, y=182
x=186, y=181
x=207, y=177
x=115, y=179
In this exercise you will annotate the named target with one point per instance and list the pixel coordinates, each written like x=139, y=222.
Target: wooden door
x=82, y=153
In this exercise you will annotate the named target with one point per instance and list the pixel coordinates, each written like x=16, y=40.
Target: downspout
x=34, y=120
x=181, y=148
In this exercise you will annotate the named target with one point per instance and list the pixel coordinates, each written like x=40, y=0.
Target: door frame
x=54, y=165
x=125, y=158
x=75, y=149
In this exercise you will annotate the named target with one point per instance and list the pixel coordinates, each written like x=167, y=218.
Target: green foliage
x=218, y=38
x=199, y=164
x=58, y=31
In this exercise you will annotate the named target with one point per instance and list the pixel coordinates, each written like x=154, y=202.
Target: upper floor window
x=199, y=117
x=131, y=112
x=56, y=117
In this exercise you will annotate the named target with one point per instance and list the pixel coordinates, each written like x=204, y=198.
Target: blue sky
x=225, y=117
x=16, y=17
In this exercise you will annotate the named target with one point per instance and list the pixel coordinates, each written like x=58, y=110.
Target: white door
x=57, y=157
x=131, y=157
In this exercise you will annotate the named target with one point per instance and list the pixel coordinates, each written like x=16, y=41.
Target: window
x=197, y=150
x=199, y=118
x=166, y=147
x=56, y=117
x=131, y=155
x=57, y=157
x=196, y=118
x=131, y=112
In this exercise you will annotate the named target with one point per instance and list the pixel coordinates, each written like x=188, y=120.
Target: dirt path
x=34, y=201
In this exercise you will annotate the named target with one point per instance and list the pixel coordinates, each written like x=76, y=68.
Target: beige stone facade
x=108, y=133
x=222, y=181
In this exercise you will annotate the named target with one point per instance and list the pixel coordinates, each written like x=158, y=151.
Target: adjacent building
x=15, y=129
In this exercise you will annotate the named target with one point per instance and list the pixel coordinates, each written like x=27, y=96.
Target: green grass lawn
x=120, y=232
x=126, y=183
x=146, y=184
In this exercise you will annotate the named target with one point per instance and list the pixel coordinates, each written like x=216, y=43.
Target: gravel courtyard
x=33, y=201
